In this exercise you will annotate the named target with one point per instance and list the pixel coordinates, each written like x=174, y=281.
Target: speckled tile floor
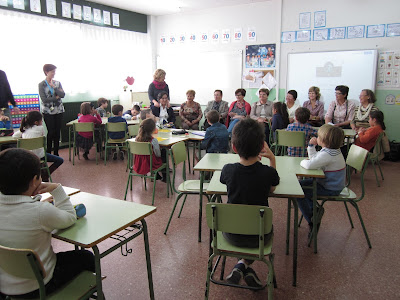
x=343, y=268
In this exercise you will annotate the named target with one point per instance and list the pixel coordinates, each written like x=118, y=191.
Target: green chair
x=374, y=157
x=33, y=144
x=357, y=159
x=239, y=219
x=83, y=127
x=26, y=264
x=187, y=187
x=133, y=130
x=142, y=148
x=286, y=139
x=114, y=143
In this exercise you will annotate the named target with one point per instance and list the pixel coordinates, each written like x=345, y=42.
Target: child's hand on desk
x=45, y=187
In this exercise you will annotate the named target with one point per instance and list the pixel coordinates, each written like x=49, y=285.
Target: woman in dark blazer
x=165, y=113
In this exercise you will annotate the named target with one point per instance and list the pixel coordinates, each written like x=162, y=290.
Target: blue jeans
x=306, y=204
x=56, y=160
x=231, y=125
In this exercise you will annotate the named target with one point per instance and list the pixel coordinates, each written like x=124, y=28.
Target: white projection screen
x=326, y=70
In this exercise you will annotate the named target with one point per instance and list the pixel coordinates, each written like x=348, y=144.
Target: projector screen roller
x=326, y=70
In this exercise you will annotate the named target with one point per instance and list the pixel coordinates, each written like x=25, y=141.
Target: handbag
x=394, y=154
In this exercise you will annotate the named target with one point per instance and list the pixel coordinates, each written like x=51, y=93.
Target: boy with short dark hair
x=302, y=115
x=27, y=223
x=248, y=182
x=102, y=104
x=117, y=110
x=331, y=161
x=133, y=113
x=216, y=139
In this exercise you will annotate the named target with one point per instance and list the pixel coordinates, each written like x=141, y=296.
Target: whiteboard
x=326, y=70
x=203, y=72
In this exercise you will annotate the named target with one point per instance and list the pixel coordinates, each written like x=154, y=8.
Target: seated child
x=248, y=182
x=84, y=140
x=31, y=127
x=27, y=223
x=216, y=139
x=147, y=114
x=103, y=104
x=302, y=115
x=4, y=121
x=280, y=119
x=117, y=112
x=142, y=162
x=331, y=161
x=367, y=136
x=133, y=114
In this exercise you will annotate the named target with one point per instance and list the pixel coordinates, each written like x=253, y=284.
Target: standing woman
x=340, y=111
x=315, y=107
x=156, y=87
x=361, y=116
x=291, y=105
x=51, y=93
x=238, y=110
x=6, y=96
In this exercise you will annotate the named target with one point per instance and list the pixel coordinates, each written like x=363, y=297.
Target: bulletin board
x=25, y=103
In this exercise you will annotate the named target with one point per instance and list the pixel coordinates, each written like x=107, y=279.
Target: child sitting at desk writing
x=216, y=139
x=31, y=127
x=142, y=162
x=27, y=223
x=331, y=161
x=85, y=139
x=248, y=182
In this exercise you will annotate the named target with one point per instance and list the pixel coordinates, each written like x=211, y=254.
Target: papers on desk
x=200, y=133
x=160, y=139
x=163, y=130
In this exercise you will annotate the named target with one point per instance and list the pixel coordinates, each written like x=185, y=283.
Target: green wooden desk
x=288, y=169
x=104, y=121
x=8, y=140
x=106, y=217
x=68, y=190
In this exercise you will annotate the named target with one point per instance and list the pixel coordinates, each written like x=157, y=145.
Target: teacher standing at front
x=156, y=87
x=51, y=93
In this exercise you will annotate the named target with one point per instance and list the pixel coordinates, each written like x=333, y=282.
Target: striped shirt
x=309, y=132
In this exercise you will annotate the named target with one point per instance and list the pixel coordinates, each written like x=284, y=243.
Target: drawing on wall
x=337, y=33
x=77, y=10
x=66, y=10
x=260, y=56
x=35, y=6
x=96, y=15
x=320, y=34
x=329, y=70
x=303, y=36
x=393, y=29
x=87, y=13
x=390, y=99
x=3, y=2
x=304, y=20
x=320, y=19
x=375, y=31
x=115, y=19
x=288, y=36
x=354, y=32
x=51, y=7
x=388, y=75
x=19, y=4
x=106, y=17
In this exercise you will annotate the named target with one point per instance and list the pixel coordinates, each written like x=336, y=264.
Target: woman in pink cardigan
x=238, y=110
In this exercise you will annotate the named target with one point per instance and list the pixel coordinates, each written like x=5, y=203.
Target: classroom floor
x=343, y=268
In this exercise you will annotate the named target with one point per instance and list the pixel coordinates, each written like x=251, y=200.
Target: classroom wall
x=341, y=13
x=264, y=16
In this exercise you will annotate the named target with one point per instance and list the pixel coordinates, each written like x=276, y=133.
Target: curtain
x=90, y=60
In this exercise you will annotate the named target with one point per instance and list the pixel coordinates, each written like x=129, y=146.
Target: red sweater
x=247, y=107
x=89, y=119
x=367, y=139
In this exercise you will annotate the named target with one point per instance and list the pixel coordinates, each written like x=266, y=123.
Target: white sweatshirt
x=32, y=132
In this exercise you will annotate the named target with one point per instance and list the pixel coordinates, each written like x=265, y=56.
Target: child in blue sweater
x=216, y=139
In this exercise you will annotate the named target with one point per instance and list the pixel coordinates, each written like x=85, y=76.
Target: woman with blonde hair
x=315, y=106
x=157, y=86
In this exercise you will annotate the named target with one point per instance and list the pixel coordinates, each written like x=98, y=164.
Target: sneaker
x=251, y=278
x=85, y=156
x=121, y=155
x=236, y=274
x=115, y=155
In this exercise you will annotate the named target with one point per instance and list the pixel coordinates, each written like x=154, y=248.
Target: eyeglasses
x=238, y=95
x=338, y=93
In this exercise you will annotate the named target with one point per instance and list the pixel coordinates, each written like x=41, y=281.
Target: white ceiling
x=166, y=7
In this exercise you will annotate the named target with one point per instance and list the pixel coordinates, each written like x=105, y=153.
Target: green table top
x=104, y=217
x=166, y=138
x=8, y=140
x=105, y=121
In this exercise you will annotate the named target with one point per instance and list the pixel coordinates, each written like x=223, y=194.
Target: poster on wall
x=51, y=7
x=354, y=32
x=388, y=75
x=288, y=36
x=66, y=10
x=77, y=9
x=251, y=34
x=393, y=29
x=374, y=31
x=35, y=6
x=320, y=34
x=237, y=35
x=19, y=4
x=260, y=56
x=320, y=19
x=3, y=3
x=305, y=20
